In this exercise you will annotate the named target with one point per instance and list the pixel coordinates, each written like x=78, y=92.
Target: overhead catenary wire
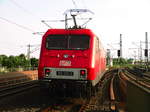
x=23, y=9
x=20, y=7
x=26, y=11
x=44, y=22
x=14, y=23
x=84, y=5
x=74, y=3
x=85, y=8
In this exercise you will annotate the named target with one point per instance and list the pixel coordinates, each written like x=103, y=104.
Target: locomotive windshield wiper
x=68, y=41
x=55, y=48
x=78, y=48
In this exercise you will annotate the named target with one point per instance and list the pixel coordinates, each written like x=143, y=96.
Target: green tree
x=3, y=60
x=17, y=61
x=34, y=62
x=22, y=60
x=129, y=61
x=12, y=62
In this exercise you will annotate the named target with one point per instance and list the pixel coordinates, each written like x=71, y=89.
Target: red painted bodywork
x=78, y=58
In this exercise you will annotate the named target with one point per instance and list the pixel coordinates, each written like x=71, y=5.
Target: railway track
x=17, y=88
x=110, y=97
x=138, y=87
x=14, y=78
x=142, y=79
x=16, y=82
x=104, y=100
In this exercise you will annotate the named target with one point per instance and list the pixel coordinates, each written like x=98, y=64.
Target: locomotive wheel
x=51, y=89
x=83, y=91
x=44, y=89
x=89, y=90
x=93, y=91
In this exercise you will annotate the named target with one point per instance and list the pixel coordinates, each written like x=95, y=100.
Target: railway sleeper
x=84, y=90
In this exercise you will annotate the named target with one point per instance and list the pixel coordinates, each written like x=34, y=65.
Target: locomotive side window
x=97, y=44
x=76, y=42
x=79, y=42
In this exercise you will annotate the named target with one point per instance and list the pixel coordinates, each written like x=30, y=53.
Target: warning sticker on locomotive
x=64, y=63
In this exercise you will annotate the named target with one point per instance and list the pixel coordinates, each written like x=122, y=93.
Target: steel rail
x=12, y=83
x=93, y=103
x=11, y=80
x=112, y=94
x=101, y=101
x=4, y=81
x=143, y=82
x=17, y=88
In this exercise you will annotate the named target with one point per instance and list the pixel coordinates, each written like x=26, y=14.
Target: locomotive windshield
x=67, y=42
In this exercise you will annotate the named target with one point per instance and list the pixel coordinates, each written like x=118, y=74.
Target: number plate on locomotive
x=64, y=73
x=64, y=63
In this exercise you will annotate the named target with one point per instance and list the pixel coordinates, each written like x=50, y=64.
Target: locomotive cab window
x=76, y=42
x=79, y=42
x=56, y=42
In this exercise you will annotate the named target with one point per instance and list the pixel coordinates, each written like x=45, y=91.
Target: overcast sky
x=131, y=18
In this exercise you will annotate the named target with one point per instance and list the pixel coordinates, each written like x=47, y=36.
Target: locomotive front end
x=65, y=57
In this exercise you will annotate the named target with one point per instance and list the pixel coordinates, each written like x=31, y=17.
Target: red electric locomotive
x=71, y=57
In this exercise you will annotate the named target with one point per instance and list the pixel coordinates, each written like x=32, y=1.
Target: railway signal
x=118, y=53
x=146, y=50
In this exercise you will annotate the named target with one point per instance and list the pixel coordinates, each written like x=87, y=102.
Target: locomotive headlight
x=47, y=72
x=73, y=56
x=66, y=55
x=82, y=72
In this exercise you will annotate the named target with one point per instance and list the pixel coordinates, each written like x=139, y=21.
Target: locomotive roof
x=69, y=31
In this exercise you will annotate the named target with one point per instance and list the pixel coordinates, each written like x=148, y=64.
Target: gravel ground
x=31, y=74
x=34, y=101
x=30, y=101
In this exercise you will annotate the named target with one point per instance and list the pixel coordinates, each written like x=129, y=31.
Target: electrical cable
x=19, y=6
x=74, y=3
x=84, y=5
x=23, y=9
x=21, y=26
